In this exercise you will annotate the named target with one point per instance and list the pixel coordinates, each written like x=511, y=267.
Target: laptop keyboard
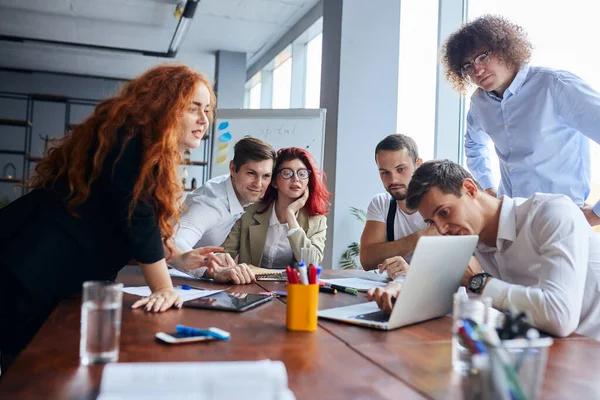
x=377, y=316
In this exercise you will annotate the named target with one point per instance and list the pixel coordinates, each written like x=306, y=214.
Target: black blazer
x=52, y=252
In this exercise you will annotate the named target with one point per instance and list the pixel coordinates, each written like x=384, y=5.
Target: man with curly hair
x=532, y=114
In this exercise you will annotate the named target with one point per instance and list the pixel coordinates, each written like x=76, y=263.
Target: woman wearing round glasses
x=291, y=215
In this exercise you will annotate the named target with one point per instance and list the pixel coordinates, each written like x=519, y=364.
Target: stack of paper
x=362, y=285
x=196, y=380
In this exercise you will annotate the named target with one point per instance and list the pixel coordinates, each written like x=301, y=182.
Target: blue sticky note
x=226, y=137
x=223, y=125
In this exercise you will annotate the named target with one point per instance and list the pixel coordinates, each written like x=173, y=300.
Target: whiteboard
x=304, y=128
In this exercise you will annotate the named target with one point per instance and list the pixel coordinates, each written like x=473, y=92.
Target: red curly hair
x=150, y=106
x=318, y=195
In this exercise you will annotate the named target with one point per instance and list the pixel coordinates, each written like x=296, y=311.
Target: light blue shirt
x=539, y=131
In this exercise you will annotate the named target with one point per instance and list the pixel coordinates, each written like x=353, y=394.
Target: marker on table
x=188, y=287
x=211, y=332
x=345, y=289
x=325, y=289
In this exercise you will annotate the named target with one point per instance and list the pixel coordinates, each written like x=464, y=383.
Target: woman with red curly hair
x=109, y=192
x=291, y=215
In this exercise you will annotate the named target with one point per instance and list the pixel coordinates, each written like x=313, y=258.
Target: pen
x=345, y=289
x=188, y=287
x=303, y=273
x=479, y=346
x=325, y=289
x=312, y=274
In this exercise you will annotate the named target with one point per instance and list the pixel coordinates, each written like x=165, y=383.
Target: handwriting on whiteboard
x=278, y=130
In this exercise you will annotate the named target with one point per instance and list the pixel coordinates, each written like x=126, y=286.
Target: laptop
x=435, y=272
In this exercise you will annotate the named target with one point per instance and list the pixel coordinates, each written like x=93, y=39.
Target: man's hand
x=394, y=266
x=590, y=215
x=492, y=191
x=238, y=274
x=429, y=230
x=200, y=257
x=473, y=268
x=385, y=297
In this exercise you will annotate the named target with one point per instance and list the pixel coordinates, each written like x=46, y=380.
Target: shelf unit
x=31, y=99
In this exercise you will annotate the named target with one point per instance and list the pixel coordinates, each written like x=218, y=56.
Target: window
x=417, y=71
x=282, y=80
x=312, y=97
x=561, y=39
x=254, y=96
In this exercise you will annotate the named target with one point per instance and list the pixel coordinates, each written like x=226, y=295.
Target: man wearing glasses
x=531, y=114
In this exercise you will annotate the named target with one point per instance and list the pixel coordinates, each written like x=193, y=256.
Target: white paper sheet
x=254, y=380
x=179, y=274
x=360, y=284
x=186, y=294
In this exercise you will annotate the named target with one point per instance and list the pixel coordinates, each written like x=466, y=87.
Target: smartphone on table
x=190, y=335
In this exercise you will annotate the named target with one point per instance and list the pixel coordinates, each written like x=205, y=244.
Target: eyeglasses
x=288, y=173
x=482, y=59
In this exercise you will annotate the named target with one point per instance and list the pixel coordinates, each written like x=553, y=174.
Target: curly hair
x=150, y=106
x=318, y=197
x=491, y=33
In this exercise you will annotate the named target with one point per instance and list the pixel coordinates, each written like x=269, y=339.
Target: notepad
x=265, y=274
x=252, y=380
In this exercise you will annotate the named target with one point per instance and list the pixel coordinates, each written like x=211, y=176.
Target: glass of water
x=100, y=322
x=476, y=309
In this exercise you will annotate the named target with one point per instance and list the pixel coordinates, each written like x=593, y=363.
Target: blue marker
x=210, y=332
x=188, y=287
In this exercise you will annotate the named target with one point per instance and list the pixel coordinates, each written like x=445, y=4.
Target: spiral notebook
x=265, y=274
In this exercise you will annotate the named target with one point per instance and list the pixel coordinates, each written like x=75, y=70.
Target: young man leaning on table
x=540, y=254
x=392, y=230
x=211, y=211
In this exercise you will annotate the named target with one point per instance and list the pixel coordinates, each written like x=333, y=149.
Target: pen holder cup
x=489, y=377
x=302, y=307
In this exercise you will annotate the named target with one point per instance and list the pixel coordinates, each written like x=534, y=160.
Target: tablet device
x=229, y=301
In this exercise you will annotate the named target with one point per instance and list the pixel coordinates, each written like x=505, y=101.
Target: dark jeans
x=21, y=316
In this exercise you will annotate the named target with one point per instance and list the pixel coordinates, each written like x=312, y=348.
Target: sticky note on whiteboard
x=221, y=159
x=223, y=146
x=226, y=137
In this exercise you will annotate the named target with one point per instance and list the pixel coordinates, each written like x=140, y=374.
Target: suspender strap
x=391, y=217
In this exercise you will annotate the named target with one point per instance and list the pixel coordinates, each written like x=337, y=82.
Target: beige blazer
x=249, y=234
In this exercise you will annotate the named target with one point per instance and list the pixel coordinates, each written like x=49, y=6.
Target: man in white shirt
x=392, y=230
x=210, y=211
x=540, y=254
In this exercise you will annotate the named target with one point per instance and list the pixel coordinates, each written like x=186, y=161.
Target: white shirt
x=208, y=216
x=278, y=252
x=404, y=224
x=547, y=263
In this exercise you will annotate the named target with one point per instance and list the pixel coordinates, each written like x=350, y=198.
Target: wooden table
x=337, y=361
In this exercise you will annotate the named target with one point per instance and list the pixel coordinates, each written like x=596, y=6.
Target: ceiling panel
x=248, y=26
x=130, y=12
x=210, y=33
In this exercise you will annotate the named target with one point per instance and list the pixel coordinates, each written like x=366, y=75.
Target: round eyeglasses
x=482, y=59
x=288, y=173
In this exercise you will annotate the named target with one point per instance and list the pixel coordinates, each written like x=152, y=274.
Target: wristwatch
x=477, y=282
